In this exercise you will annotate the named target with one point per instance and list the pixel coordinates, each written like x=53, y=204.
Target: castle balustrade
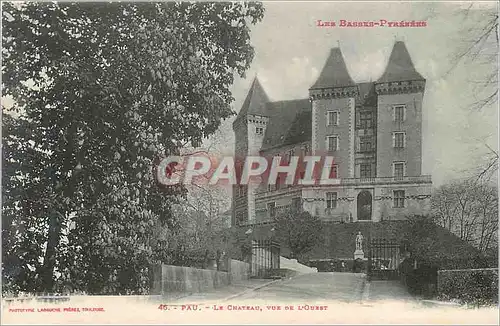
x=296, y=189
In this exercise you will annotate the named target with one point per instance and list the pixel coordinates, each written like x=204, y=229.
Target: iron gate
x=265, y=258
x=383, y=260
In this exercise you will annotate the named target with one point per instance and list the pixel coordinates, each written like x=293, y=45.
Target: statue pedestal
x=359, y=254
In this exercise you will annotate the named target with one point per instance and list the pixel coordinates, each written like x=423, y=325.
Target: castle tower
x=400, y=92
x=249, y=128
x=333, y=102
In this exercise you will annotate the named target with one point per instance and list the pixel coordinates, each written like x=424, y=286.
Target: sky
x=290, y=51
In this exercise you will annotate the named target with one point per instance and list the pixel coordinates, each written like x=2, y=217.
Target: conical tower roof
x=255, y=102
x=400, y=67
x=334, y=73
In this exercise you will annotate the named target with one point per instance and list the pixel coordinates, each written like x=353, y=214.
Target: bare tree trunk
x=50, y=253
x=56, y=218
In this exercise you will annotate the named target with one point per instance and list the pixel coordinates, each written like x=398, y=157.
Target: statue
x=359, y=242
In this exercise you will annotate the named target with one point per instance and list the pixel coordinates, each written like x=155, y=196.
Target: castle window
x=331, y=200
x=240, y=218
x=278, y=183
x=334, y=171
x=399, y=198
x=306, y=150
x=259, y=130
x=398, y=170
x=332, y=118
x=365, y=120
x=398, y=139
x=365, y=170
x=332, y=143
x=399, y=113
x=365, y=144
x=271, y=209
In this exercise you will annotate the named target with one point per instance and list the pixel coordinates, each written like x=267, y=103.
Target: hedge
x=475, y=286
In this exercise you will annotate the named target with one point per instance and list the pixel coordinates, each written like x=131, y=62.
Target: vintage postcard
x=250, y=162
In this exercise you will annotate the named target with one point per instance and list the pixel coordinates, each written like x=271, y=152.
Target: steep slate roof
x=290, y=121
x=282, y=115
x=255, y=101
x=334, y=73
x=400, y=67
x=300, y=131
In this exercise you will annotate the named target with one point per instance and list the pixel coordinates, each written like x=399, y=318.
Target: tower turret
x=400, y=69
x=249, y=128
x=332, y=97
x=400, y=92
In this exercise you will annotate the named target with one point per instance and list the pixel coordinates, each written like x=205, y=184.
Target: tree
x=298, y=231
x=480, y=48
x=469, y=209
x=432, y=245
x=204, y=227
x=102, y=91
x=479, y=51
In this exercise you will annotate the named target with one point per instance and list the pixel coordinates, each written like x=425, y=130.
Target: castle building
x=372, y=129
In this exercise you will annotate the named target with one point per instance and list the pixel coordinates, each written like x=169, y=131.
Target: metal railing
x=265, y=258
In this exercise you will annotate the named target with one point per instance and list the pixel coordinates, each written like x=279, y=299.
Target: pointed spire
x=255, y=101
x=400, y=66
x=334, y=73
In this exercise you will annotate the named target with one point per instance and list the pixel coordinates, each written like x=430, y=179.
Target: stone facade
x=373, y=131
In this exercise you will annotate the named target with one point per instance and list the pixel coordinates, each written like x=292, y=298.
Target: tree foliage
x=430, y=244
x=204, y=232
x=478, y=50
x=299, y=231
x=101, y=91
x=470, y=210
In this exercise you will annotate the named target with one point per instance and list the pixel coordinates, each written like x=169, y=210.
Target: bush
x=422, y=281
x=473, y=286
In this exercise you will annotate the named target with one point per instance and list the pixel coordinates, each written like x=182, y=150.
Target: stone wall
x=315, y=202
x=417, y=201
x=174, y=279
x=412, y=126
x=282, y=199
x=239, y=270
x=342, y=157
